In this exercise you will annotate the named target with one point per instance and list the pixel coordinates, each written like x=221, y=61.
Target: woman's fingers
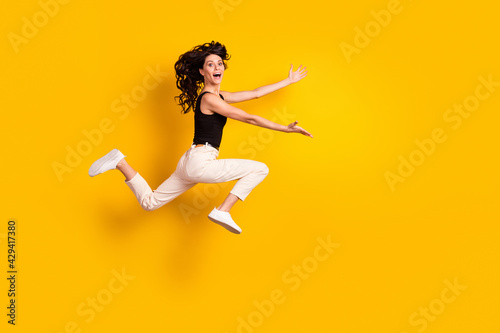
x=298, y=74
x=299, y=70
x=304, y=132
x=297, y=129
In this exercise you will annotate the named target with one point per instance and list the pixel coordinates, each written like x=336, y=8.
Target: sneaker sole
x=227, y=227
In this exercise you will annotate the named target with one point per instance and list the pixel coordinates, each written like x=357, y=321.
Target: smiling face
x=213, y=69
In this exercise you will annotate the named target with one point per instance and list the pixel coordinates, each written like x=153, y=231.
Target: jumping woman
x=199, y=73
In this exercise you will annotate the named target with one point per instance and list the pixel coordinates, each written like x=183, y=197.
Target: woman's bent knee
x=264, y=169
x=149, y=204
x=148, y=207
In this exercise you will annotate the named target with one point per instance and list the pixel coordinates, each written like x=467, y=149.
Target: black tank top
x=207, y=127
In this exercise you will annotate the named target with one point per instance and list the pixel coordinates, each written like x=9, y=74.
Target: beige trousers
x=200, y=165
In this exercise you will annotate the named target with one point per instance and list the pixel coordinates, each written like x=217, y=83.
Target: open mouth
x=217, y=75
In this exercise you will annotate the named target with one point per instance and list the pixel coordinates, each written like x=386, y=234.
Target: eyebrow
x=213, y=61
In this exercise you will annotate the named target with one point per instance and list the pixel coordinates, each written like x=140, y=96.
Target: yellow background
x=396, y=247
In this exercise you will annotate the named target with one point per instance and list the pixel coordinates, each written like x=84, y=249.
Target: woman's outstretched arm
x=214, y=104
x=241, y=96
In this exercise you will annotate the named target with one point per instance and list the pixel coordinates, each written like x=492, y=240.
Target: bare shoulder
x=210, y=103
x=212, y=98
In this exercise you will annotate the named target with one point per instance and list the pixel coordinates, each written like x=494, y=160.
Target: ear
x=202, y=72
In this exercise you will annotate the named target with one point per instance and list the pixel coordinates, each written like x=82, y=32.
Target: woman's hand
x=298, y=75
x=293, y=128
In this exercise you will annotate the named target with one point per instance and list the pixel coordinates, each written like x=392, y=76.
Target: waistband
x=205, y=143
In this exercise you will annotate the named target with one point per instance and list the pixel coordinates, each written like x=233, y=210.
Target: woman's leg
x=166, y=192
x=148, y=199
x=126, y=169
x=228, y=203
x=248, y=173
x=200, y=165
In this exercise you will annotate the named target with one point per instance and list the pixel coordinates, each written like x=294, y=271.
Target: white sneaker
x=224, y=219
x=105, y=163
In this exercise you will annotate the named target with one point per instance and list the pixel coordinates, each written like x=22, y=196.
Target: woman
x=203, y=68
